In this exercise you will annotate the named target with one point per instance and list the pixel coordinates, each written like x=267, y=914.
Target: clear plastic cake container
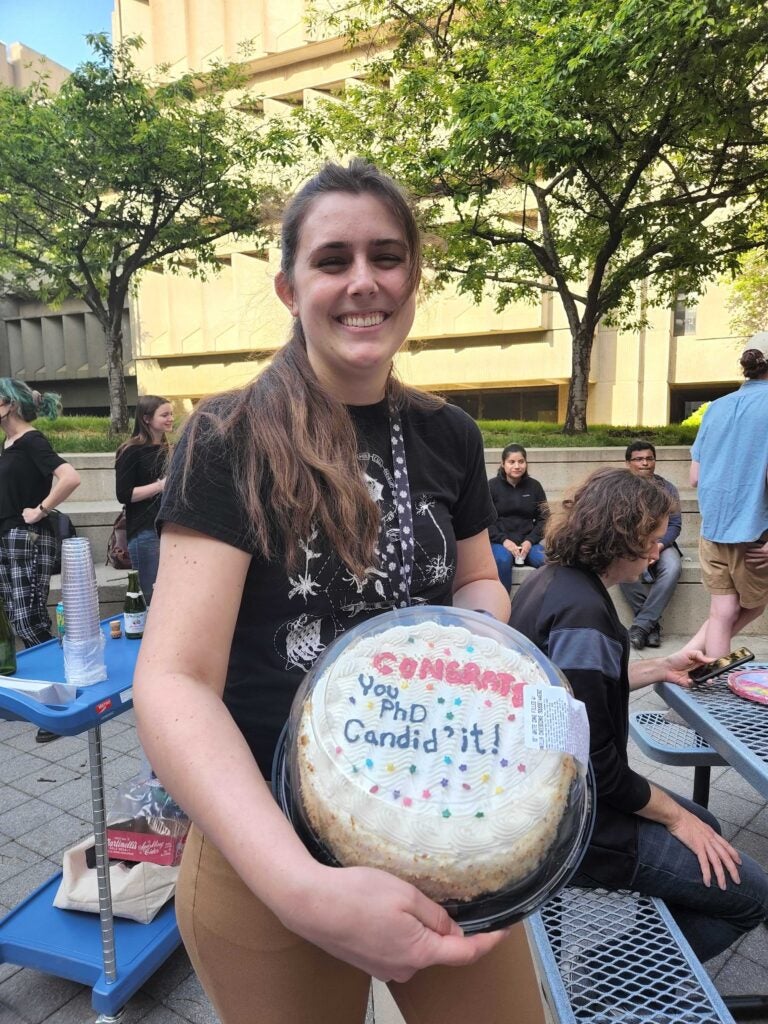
x=440, y=745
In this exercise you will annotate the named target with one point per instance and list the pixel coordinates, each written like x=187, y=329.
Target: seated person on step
x=521, y=506
x=650, y=595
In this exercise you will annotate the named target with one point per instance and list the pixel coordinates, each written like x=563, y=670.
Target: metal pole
x=102, y=859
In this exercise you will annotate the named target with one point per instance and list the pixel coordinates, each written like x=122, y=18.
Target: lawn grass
x=91, y=434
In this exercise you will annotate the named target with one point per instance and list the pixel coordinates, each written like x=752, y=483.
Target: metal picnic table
x=738, y=730
x=113, y=956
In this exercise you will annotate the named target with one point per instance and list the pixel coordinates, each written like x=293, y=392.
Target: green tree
x=120, y=171
x=748, y=299
x=578, y=147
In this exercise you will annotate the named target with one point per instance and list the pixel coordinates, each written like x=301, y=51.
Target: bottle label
x=134, y=622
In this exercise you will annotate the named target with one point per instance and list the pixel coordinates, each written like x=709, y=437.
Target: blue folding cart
x=113, y=956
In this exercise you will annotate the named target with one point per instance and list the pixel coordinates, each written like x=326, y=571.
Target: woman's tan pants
x=255, y=971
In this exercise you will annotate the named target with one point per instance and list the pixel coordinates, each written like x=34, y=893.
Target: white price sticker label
x=554, y=720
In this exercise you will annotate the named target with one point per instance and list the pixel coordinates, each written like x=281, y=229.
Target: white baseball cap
x=758, y=341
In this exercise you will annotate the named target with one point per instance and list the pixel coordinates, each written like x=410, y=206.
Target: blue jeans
x=649, y=601
x=710, y=918
x=505, y=560
x=144, y=550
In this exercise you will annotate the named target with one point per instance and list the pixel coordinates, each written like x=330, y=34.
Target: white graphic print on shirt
x=302, y=639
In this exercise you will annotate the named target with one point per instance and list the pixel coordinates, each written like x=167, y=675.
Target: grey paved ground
x=45, y=808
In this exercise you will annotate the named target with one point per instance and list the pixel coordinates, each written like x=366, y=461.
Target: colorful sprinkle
x=426, y=794
x=449, y=714
x=390, y=767
x=374, y=789
x=441, y=700
x=488, y=703
x=470, y=649
x=443, y=782
x=407, y=801
x=352, y=700
x=480, y=814
x=485, y=777
x=499, y=790
x=411, y=640
x=446, y=813
x=429, y=686
x=465, y=785
x=462, y=767
x=447, y=760
x=368, y=763
x=457, y=701
x=521, y=767
x=370, y=705
x=338, y=750
x=510, y=718
x=504, y=762
x=412, y=768
x=395, y=794
x=404, y=684
x=355, y=769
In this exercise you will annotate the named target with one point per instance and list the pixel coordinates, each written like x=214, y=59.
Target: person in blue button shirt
x=730, y=468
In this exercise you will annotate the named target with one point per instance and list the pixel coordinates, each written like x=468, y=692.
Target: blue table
x=114, y=956
x=735, y=727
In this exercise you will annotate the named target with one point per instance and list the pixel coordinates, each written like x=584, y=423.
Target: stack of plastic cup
x=83, y=640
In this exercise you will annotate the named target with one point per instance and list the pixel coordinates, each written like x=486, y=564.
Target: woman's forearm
x=66, y=479
x=204, y=762
x=147, y=491
x=661, y=807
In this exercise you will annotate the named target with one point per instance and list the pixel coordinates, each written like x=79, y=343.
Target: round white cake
x=411, y=757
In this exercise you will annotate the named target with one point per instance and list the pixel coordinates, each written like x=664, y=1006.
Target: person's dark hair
x=753, y=364
x=286, y=428
x=639, y=446
x=610, y=515
x=27, y=403
x=146, y=407
x=510, y=450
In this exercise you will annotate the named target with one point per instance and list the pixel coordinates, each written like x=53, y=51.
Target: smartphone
x=724, y=664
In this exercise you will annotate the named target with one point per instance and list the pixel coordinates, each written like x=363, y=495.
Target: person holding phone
x=281, y=523
x=645, y=838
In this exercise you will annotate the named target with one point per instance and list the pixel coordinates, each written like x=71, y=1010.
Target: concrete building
x=60, y=349
x=192, y=338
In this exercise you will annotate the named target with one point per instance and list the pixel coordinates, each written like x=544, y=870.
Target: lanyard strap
x=402, y=498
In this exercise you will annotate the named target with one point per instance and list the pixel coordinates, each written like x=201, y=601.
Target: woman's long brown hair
x=294, y=445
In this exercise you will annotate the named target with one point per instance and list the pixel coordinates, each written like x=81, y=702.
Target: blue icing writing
x=409, y=738
x=379, y=689
x=400, y=713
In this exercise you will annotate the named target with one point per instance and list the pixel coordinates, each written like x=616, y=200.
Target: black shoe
x=654, y=636
x=44, y=736
x=638, y=637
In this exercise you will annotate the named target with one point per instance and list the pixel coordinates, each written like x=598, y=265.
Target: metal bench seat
x=619, y=958
x=673, y=743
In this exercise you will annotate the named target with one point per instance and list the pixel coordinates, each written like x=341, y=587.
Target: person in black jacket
x=645, y=838
x=139, y=481
x=521, y=506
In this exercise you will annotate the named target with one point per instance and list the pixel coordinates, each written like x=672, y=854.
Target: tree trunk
x=118, y=402
x=576, y=413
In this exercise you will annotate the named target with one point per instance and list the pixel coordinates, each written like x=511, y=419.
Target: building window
x=532, y=404
x=685, y=314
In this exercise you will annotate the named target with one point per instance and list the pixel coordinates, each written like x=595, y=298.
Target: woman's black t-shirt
x=136, y=466
x=26, y=478
x=287, y=619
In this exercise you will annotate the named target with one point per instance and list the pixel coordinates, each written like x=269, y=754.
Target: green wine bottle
x=7, y=645
x=134, y=609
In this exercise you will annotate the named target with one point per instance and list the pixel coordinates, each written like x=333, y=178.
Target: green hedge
x=91, y=434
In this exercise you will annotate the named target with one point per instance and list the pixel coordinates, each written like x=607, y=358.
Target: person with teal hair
x=34, y=480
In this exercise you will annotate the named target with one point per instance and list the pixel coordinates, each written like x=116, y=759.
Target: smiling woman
x=320, y=495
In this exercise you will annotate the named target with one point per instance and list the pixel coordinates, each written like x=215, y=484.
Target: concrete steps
x=93, y=509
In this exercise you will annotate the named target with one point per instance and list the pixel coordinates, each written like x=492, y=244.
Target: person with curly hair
x=645, y=838
x=730, y=469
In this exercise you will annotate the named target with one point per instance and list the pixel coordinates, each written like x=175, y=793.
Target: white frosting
x=412, y=758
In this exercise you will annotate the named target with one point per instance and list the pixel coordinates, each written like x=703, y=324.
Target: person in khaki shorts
x=730, y=467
